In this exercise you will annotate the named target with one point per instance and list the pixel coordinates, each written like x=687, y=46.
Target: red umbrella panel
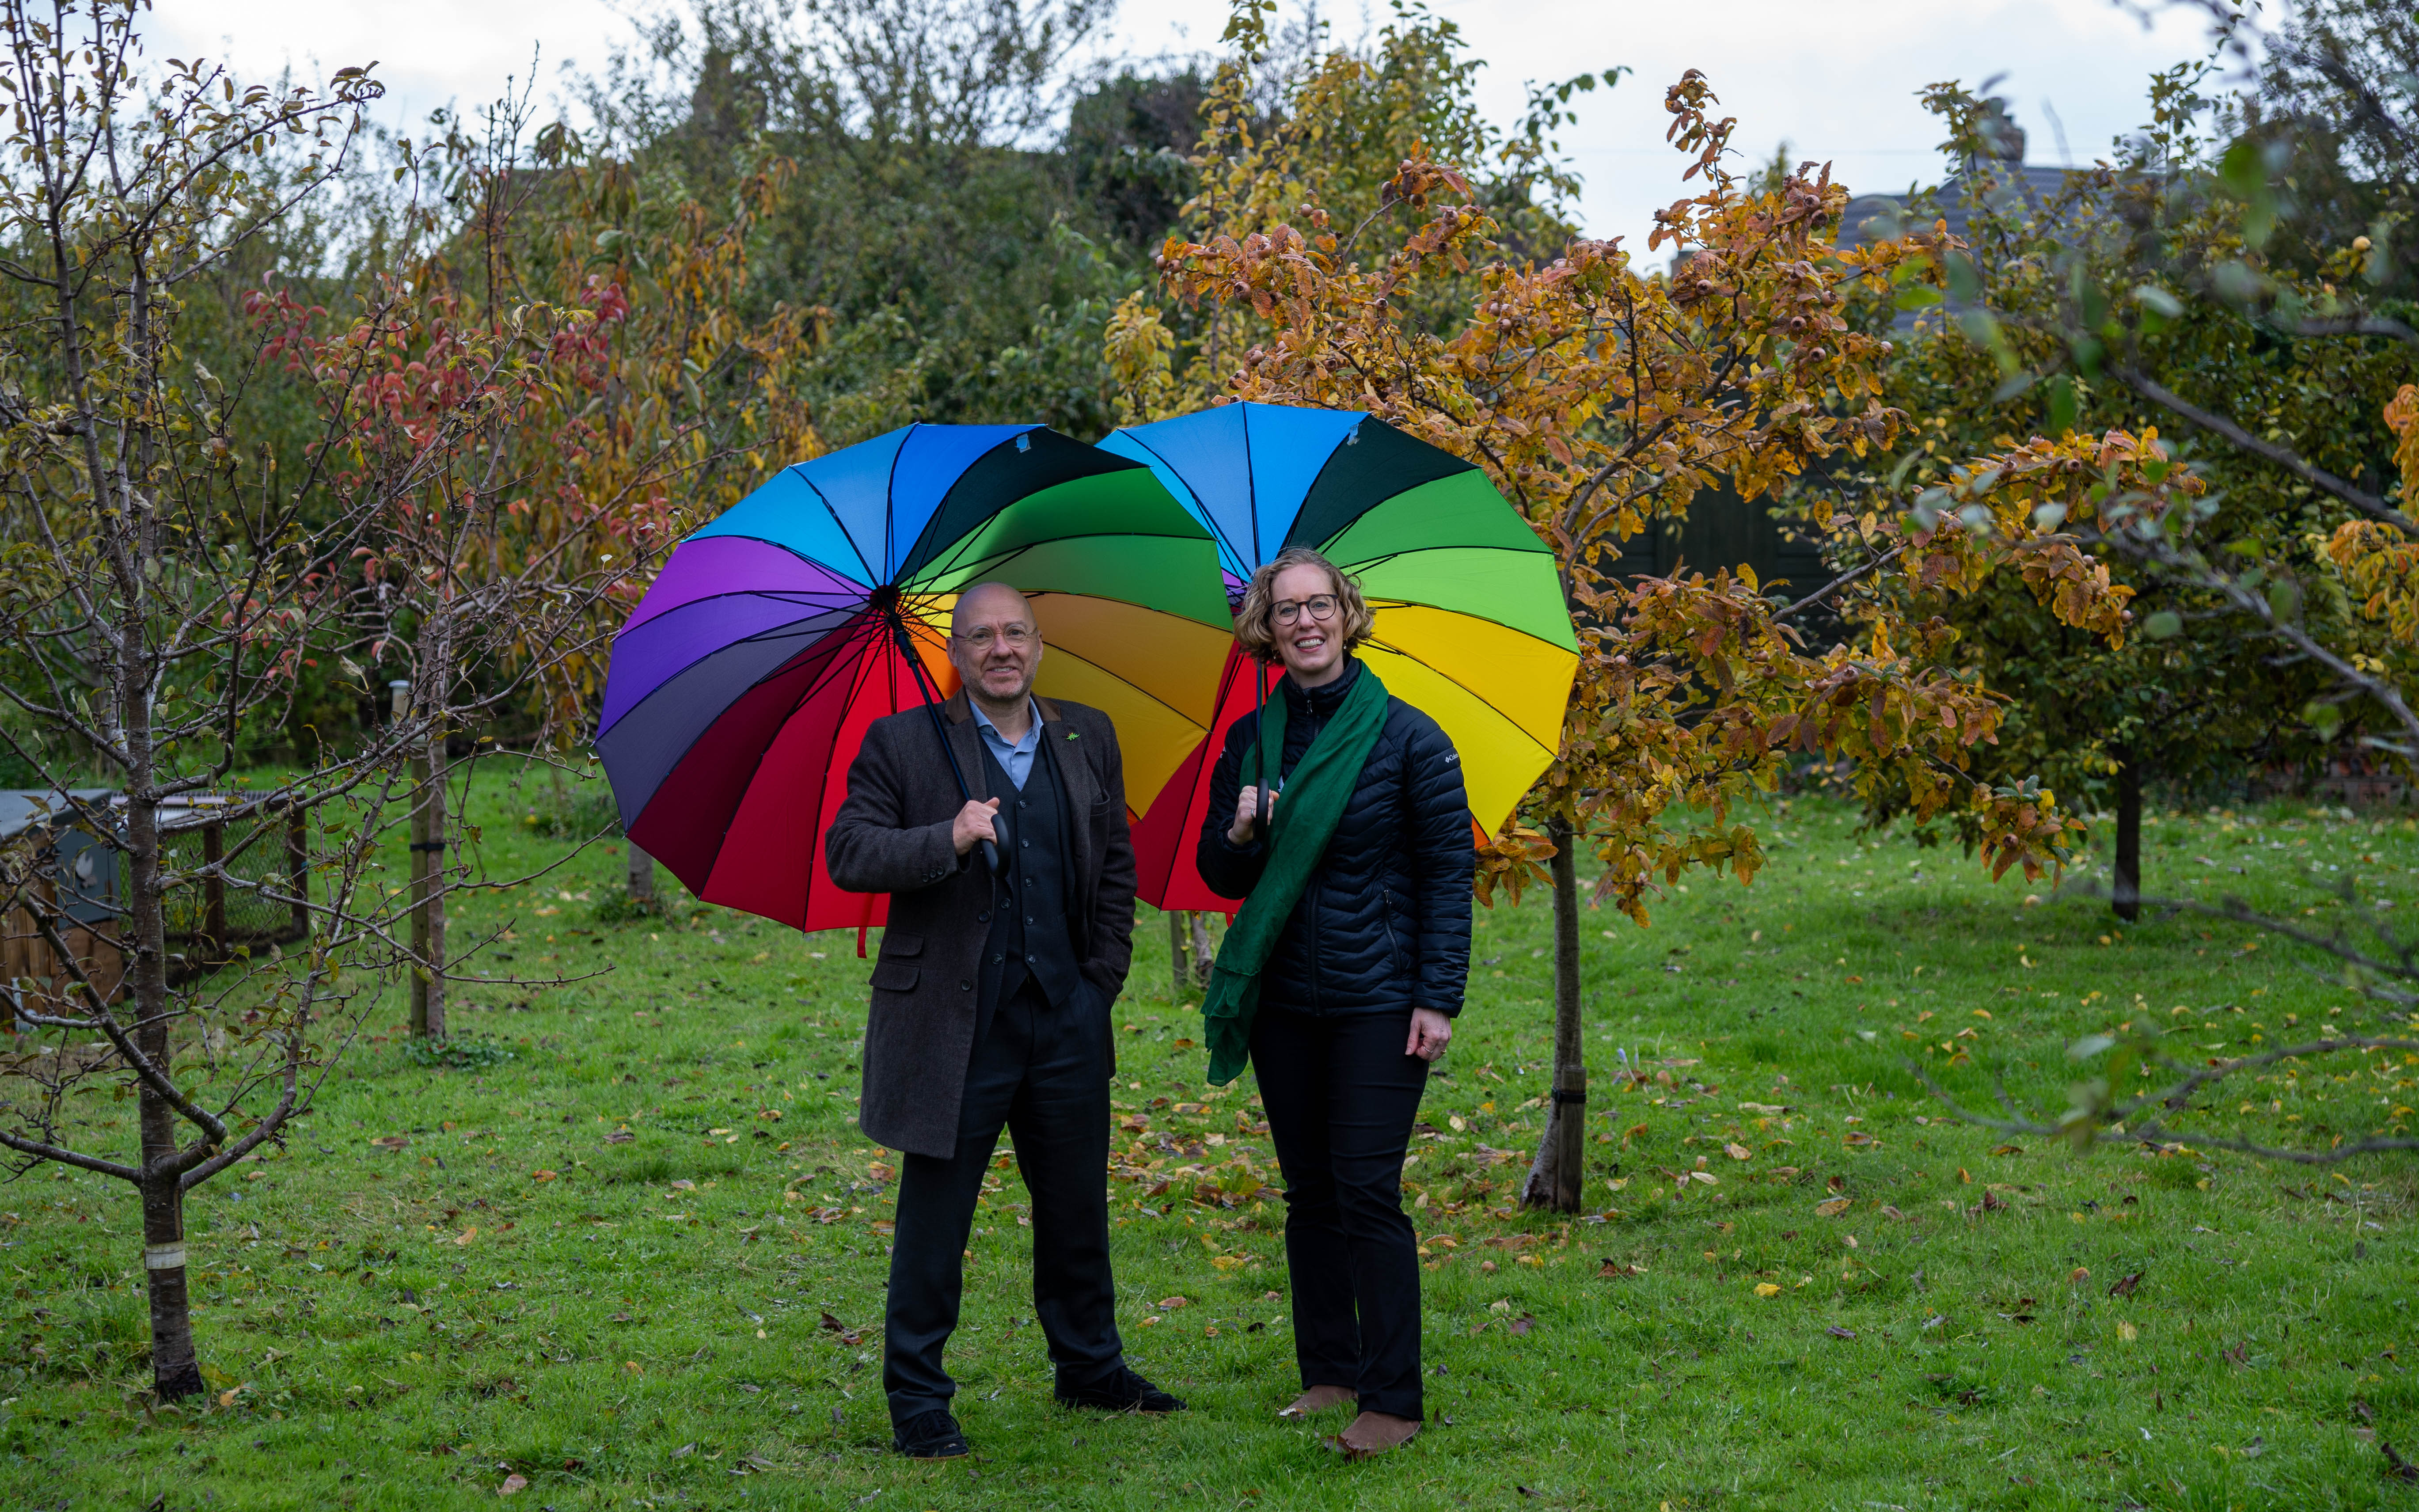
x=1166, y=835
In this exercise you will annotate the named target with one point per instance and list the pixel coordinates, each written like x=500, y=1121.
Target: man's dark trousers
x=1043, y=1073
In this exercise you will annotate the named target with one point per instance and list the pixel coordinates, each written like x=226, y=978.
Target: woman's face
x=1311, y=647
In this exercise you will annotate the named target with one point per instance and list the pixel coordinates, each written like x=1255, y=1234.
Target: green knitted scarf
x=1315, y=797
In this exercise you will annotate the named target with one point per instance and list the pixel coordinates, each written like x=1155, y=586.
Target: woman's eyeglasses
x=1318, y=605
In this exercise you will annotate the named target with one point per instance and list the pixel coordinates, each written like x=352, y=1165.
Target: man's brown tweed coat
x=892, y=835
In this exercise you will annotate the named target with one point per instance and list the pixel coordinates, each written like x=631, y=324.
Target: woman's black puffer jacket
x=1383, y=925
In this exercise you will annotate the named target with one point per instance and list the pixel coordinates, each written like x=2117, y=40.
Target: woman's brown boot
x=1319, y=1399
x=1375, y=1433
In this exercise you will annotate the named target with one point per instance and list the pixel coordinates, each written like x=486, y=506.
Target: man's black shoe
x=931, y=1435
x=1124, y=1392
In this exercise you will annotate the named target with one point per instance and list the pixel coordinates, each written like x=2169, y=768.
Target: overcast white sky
x=1836, y=79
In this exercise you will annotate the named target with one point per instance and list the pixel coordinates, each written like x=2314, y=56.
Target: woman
x=1342, y=974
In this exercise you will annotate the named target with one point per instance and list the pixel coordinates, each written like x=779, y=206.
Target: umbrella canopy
x=743, y=684
x=1471, y=622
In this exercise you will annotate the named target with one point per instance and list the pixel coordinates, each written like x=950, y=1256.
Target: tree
x=1599, y=396
x=960, y=270
x=2198, y=703
x=169, y=579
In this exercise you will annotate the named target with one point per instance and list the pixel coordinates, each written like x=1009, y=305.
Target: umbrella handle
x=940, y=732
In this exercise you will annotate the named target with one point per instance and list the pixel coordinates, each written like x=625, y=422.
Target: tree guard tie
x=163, y=1257
x=1566, y=1095
x=427, y=845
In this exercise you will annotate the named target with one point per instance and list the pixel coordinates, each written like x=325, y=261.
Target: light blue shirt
x=1017, y=760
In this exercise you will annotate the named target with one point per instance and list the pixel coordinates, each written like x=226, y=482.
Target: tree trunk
x=1205, y=951
x=175, y=1370
x=428, y=888
x=1176, y=970
x=2128, y=890
x=1558, y=1175
x=642, y=878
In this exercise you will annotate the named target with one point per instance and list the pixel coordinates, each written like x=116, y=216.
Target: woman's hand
x=1247, y=808
x=1431, y=1031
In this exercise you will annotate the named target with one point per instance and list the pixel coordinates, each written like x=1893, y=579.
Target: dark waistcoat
x=1031, y=931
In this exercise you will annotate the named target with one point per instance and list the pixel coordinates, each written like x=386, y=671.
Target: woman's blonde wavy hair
x=1256, y=622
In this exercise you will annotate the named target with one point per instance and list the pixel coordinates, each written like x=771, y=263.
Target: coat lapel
x=965, y=739
x=1076, y=787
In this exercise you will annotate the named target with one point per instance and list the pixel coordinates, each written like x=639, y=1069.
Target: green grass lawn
x=640, y=1263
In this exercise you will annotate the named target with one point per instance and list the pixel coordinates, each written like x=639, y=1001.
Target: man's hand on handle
x=1431, y=1031
x=973, y=824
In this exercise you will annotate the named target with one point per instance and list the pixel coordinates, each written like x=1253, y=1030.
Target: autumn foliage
x=1602, y=395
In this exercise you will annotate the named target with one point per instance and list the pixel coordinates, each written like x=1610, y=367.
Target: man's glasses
x=1318, y=605
x=1016, y=638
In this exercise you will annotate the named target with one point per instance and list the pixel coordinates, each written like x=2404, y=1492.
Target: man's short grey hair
x=958, y=612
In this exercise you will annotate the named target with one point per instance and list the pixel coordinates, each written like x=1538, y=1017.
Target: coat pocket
x=894, y=976
x=895, y=944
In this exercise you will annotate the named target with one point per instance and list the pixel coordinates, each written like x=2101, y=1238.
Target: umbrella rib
x=781, y=595
x=889, y=499
x=871, y=578
x=1123, y=680
x=938, y=565
x=855, y=667
x=1208, y=523
x=1488, y=703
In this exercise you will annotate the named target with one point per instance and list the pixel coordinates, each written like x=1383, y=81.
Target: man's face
x=996, y=647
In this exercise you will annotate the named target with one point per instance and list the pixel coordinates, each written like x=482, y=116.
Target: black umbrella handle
x=940, y=732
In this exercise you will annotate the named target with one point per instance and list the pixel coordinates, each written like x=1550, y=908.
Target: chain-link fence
x=245, y=870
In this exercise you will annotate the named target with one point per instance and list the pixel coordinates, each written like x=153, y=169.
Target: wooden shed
x=53, y=860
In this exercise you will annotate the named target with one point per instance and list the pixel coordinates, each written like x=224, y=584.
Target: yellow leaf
x=1766, y=1289
x=1737, y=1152
x=1833, y=1206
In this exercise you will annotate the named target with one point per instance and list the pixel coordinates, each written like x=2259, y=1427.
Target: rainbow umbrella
x=743, y=684
x=1472, y=626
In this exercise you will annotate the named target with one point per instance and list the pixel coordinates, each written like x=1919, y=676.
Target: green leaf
x=1965, y=279
x=2324, y=718
x=2061, y=405
x=1916, y=296
x=2090, y=1045
x=2165, y=626
x=2159, y=301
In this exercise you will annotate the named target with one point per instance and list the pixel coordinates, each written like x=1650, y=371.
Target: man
x=991, y=1003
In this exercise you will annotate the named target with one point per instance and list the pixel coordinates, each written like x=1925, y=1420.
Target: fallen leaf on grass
x=1521, y=1325
x=623, y=1137
x=2007, y=1150
x=1838, y=1333
x=2125, y=1287
x=513, y=1484
x=1833, y=1206
x=390, y=1142
x=1738, y=1152
x=1766, y=1289
x=542, y=1176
